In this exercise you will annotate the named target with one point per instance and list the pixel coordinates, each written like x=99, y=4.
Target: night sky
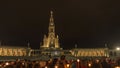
x=87, y=23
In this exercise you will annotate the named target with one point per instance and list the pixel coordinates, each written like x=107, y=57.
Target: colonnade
x=12, y=52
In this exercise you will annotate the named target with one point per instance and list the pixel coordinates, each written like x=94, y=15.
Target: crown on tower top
x=51, y=12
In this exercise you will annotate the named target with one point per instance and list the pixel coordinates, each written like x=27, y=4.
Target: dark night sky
x=87, y=23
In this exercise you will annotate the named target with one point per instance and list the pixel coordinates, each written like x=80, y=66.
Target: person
x=61, y=65
x=54, y=62
x=73, y=65
x=96, y=64
x=37, y=65
x=105, y=64
x=83, y=64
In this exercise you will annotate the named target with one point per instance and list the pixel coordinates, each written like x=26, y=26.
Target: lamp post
x=78, y=65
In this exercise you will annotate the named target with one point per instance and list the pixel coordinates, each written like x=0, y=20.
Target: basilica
x=51, y=47
x=51, y=44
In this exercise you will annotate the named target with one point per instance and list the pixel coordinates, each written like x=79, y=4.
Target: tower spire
x=51, y=23
x=51, y=18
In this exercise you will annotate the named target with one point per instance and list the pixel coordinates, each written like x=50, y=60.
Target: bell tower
x=51, y=41
x=51, y=29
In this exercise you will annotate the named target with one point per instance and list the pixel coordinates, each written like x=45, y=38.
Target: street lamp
x=78, y=60
x=78, y=66
x=117, y=48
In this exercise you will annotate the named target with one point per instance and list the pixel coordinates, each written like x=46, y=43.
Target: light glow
x=117, y=48
x=117, y=67
x=78, y=60
x=68, y=65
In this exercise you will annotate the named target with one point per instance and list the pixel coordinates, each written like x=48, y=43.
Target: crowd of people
x=61, y=63
x=84, y=63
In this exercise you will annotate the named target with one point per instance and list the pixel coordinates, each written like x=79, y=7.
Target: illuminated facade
x=12, y=51
x=91, y=52
x=51, y=45
x=114, y=53
x=51, y=41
